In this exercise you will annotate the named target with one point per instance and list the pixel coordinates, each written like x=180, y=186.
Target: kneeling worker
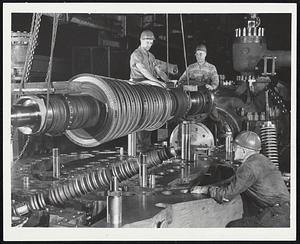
x=260, y=181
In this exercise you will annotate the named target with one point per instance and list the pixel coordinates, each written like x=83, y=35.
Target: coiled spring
x=35, y=202
x=268, y=136
x=89, y=182
x=125, y=169
x=81, y=185
x=156, y=157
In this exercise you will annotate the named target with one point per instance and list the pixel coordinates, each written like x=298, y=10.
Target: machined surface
x=99, y=109
x=200, y=137
x=172, y=178
x=268, y=135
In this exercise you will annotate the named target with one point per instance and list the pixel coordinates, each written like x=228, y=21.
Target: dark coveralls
x=148, y=60
x=200, y=75
x=262, y=185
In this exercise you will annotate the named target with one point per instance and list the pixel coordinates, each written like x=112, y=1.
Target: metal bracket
x=266, y=62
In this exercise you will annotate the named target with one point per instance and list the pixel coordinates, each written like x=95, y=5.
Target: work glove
x=209, y=87
x=200, y=190
x=216, y=193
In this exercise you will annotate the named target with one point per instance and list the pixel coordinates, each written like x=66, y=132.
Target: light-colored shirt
x=201, y=74
x=144, y=57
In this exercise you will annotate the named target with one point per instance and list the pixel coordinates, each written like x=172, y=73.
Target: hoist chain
x=184, y=49
x=23, y=149
x=29, y=57
x=49, y=71
x=34, y=32
x=53, y=40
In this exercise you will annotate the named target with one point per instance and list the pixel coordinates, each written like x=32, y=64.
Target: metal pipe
x=152, y=179
x=115, y=183
x=132, y=144
x=267, y=105
x=114, y=205
x=143, y=173
x=55, y=163
x=121, y=153
x=34, y=90
x=25, y=115
x=186, y=142
x=188, y=171
x=228, y=145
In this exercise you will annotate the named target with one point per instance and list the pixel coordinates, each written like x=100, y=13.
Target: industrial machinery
x=91, y=110
x=115, y=187
x=249, y=48
x=257, y=94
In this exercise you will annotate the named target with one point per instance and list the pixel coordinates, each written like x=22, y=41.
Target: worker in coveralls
x=143, y=66
x=259, y=182
x=203, y=74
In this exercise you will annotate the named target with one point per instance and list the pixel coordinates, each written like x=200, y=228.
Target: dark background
x=215, y=30
x=81, y=52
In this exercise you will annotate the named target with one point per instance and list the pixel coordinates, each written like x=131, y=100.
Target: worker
x=259, y=181
x=202, y=74
x=143, y=66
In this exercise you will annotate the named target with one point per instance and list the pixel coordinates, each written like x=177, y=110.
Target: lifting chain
x=35, y=25
x=184, y=49
x=49, y=71
x=34, y=33
x=23, y=149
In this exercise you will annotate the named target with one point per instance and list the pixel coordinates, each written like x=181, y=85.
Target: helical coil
x=268, y=136
x=58, y=194
x=156, y=157
x=90, y=181
x=81, y=185
x=125, y=169
x=37, y=201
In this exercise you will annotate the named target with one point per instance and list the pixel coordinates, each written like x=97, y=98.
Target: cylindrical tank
x=247, y=51
x=19, y=45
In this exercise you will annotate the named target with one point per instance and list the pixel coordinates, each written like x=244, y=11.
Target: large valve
x=99, y=109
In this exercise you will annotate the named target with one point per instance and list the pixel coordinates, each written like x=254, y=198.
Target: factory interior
x=77, y=116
